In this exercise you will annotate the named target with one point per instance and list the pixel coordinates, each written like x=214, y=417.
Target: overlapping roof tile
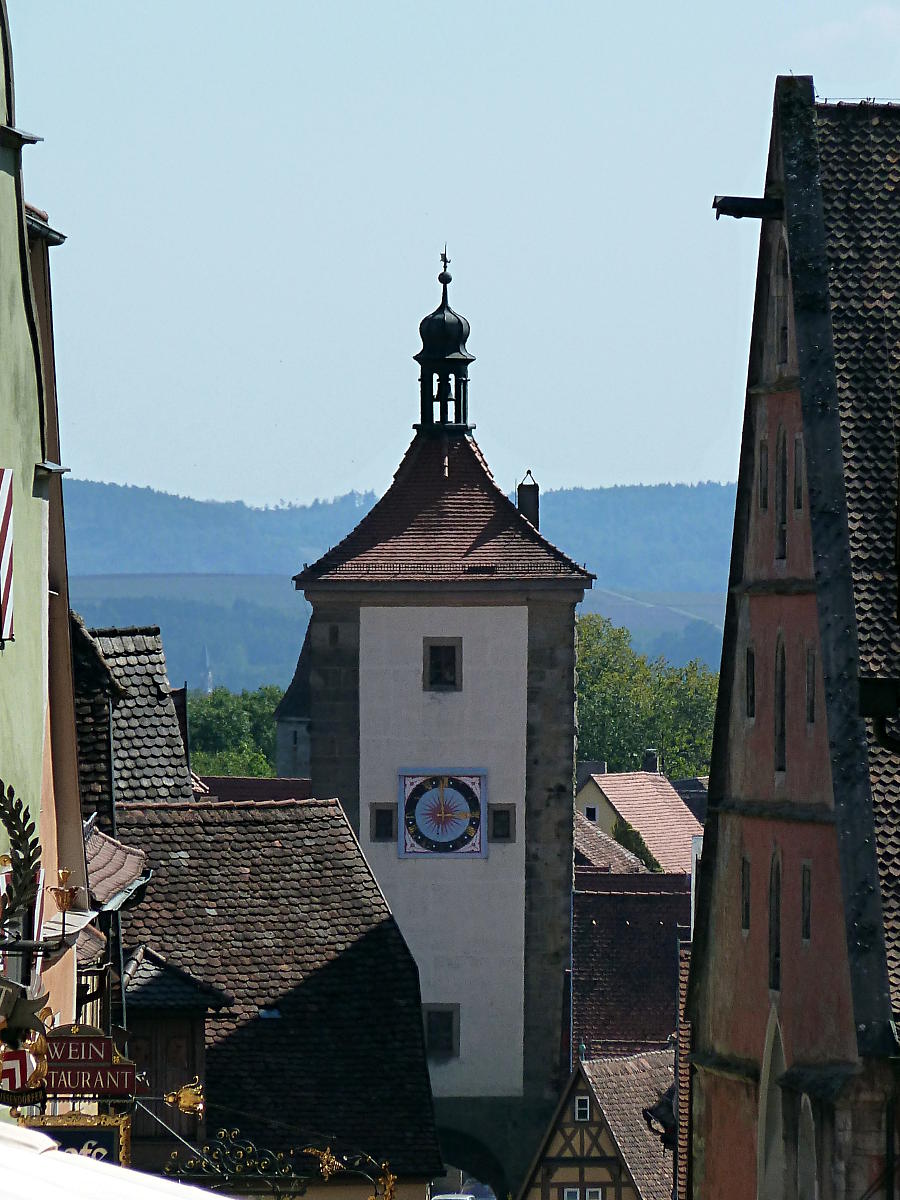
x=274, y=902
x=649, y=803
x=444, y=518
x=625, y=960
x=624, y=1087
x=112, y=866
x=150, y=762
x=594, y=848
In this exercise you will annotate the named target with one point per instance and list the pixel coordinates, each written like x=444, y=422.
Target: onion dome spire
x=444, y=360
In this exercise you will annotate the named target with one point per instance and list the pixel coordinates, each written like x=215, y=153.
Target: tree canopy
x=231, y=733
x=628, y=703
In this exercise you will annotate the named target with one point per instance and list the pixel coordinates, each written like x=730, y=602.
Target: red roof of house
x=444, y=517
x=648, y=802
x=594, y=848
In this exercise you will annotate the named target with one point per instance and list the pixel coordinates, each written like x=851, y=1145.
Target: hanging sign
x=83, y=1061
x=105, y=1138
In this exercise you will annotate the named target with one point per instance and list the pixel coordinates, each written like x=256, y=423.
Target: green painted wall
x=23, y=662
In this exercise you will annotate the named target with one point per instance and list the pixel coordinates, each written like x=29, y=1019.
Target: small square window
x=590, y=812
x=571, y=1194
x=582, y=1108
x=383, y=822
x=441, y=1030
x=595, y=1193
x=502, y=818
x=442, y=664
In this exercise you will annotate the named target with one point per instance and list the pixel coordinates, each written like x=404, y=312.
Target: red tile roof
x=444, y=517
x=625, y=960
x=624, y=1087
x=594, y=848
x=274, y=902
x=112, y=867
x=648, y=802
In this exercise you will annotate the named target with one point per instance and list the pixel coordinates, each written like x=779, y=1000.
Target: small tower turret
x=444, y=360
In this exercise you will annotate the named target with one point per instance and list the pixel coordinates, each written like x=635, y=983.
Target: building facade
x=441, y=659
x=794, y=986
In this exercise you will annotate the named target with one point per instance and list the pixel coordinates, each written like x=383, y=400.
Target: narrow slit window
x=750, y=679
x=810, y=686
x=780, y=710
x=806, y=902
x=781, y=497
x=442, y=1030
x=764, y=476
x=775, y=925
x=745, y=894
x=798, y=474
x=781, y=305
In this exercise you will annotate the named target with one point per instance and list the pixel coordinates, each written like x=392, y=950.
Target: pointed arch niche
x=807, y=1177
x=770, y=1156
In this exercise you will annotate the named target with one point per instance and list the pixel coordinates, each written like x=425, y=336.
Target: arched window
x=781, y=472
x=770, y=1149
x=780, y=709
x=775, y=924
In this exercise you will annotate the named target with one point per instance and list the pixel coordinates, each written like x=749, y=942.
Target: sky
x=255, y=197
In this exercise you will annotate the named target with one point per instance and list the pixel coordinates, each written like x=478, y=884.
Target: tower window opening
x=806, y=902
x=780, y=710
x=764, y=476
x=745, y=894
x=750, y=677
x=781, y=497
x=775, y=924
x=798, y=473
x=810, y=686
x=781, y=306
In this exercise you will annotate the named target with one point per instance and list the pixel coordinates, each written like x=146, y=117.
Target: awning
x=32, y=1167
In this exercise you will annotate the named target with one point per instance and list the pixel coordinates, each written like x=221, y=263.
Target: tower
x=441, y=659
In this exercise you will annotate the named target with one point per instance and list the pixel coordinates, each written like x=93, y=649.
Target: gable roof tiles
x=150, y=762
x=444, y=518
x=625, y=960
x=648, y=802
x=594, y=848
x=624, y=1087
x=273, y=902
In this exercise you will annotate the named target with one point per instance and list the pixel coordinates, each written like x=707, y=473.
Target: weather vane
x=444, y=259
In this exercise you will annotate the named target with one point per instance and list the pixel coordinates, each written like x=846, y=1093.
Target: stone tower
x=441, y=668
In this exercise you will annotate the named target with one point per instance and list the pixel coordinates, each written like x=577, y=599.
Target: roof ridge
x=191, y=805
x=124, y=630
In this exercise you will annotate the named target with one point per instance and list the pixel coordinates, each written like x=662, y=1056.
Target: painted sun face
x=442, y=814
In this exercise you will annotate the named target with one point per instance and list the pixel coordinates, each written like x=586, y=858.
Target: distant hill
x=216, y=576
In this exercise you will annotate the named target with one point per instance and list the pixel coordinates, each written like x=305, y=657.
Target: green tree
x=233, y=734
x=627, y=703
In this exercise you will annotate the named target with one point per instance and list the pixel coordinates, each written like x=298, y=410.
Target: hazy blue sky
x=255, y=196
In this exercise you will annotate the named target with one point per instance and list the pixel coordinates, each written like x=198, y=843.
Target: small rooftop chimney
x=528, y=499
x=651, y=761
x=586, y=768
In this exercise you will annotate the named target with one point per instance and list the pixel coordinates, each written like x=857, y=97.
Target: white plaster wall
x=463, y=917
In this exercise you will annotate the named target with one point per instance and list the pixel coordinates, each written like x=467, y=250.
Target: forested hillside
x=217, y=576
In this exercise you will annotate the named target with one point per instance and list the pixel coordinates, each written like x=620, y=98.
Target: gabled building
x=265, y=958
x=37, y=735
x=605, y=1142
x=795, y=973
x=649, y=803
x=442, y=703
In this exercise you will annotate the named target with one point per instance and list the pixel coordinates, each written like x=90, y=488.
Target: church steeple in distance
x=444, y=360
